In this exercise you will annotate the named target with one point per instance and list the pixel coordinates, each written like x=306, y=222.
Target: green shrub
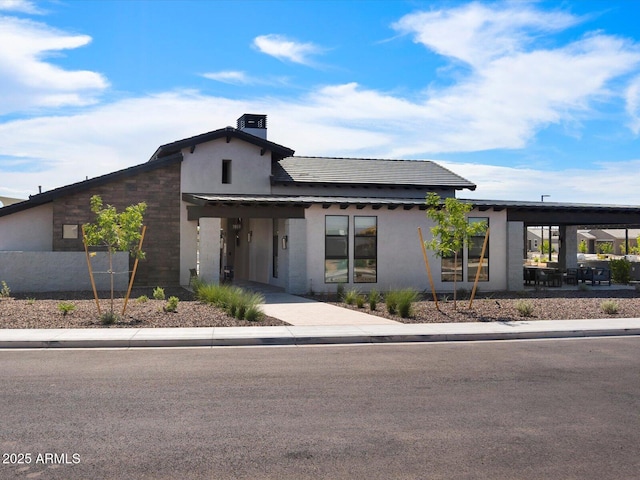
x=401, y=301
x=620, y=270
x=66, y=307
x=235, y=301
x=172, y=305
x=524, y=308
x=158, y=293
x=351, y=296
x=360, y=299
x=609, y=307
x=5, y=291
x=31, y=301
x=142, y=299
x=340, y=291
x=109, y=318
x=374, y=298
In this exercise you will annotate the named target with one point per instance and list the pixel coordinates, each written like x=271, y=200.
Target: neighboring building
x=616, y=238
x=232, y=203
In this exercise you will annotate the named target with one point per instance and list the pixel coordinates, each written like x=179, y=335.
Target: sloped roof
x=278, y=151
x=366, y=171
x=50, y=195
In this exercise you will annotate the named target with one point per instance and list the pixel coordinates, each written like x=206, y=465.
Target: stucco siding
x=399, y=256
x=27, y=231
x=249, y=171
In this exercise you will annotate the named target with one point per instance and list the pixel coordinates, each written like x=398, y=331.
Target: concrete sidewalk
x=309, y=335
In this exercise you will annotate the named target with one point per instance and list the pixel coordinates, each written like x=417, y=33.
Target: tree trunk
x=455, y=277
x=111, y=275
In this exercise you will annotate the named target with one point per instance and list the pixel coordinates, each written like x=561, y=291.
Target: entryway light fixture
x=285, y=242
x=249, y=236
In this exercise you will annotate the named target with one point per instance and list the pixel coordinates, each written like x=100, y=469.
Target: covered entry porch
x=248, y=238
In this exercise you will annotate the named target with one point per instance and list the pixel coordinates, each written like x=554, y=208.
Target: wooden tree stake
x=426, y=264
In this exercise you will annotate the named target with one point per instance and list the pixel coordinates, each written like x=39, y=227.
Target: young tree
x=118, y=232
x=452, y=230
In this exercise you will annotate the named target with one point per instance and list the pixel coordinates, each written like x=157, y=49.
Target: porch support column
x=210, y=249
x=515, y=255
x=568, y=251
x=296, y=231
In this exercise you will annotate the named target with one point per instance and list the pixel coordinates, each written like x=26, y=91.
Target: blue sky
x=522, y=98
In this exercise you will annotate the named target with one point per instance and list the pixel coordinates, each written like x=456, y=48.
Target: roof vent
x=253, y=125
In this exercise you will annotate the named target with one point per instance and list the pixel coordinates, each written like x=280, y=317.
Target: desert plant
x=340, y=291
x=610, y=307
x=605, y=248
x=5, y=291
x=373, y=298
x=233, y=300
x=401, y=301
x=31, y=301
x=109, y=318
x=583, y=287
x=158, y=293
x=360, y=299
x=142, y=299
x=66, y=307
x=524, y=308
x=172, y=305
x=620, y=270
x=351, y=296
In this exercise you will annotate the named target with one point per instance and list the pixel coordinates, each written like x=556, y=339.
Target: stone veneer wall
x=160, y=189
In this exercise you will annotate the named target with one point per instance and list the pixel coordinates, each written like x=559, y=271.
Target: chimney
x=253, y=125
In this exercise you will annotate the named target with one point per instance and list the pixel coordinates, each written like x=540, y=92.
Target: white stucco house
x=231, y=203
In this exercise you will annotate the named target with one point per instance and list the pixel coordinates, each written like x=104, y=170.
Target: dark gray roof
x=278, y=151
x=366, y=171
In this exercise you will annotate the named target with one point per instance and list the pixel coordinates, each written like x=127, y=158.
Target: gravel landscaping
x=41, y=310
x=503, y=307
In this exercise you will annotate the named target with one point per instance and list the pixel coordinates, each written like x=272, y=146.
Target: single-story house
x=231, y=203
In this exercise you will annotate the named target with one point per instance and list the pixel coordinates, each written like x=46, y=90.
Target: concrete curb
x=313, y=335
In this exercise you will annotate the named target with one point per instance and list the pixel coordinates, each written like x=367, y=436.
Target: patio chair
x=571, y=276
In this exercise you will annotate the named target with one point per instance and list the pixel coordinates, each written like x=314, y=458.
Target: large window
x=365, y=249
x=336, y=249
x=474, y=250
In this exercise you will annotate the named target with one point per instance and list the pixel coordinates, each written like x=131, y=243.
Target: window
x=226, y=171
x=336, y=249
x=365, y=249
x=474, y=250
x=70, y=231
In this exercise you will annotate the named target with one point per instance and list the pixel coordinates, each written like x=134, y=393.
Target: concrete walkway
x=300, y=311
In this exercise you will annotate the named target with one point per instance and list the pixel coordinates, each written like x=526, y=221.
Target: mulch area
x=41, y=310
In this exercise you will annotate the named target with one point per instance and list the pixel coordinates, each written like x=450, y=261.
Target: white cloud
x=283, y=48
x=477, y=33
x=233, y=77
x=30, y=82
x=616, y=178
x=21, y=6
x=632, y=97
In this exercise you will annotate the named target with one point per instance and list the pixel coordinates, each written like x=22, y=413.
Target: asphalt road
x=496, y=410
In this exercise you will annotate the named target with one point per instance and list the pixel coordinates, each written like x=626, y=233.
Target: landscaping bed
x=42, y=310
x=507, y=307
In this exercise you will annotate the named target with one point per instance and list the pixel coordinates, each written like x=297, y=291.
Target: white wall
x=29, y=231
x=400, y=260
x=201, y=171
x=61, y=271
